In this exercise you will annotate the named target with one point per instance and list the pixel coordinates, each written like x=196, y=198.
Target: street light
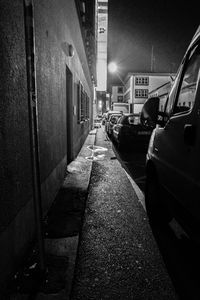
x=113, y=68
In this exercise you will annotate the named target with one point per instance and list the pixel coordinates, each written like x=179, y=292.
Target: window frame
x=120, y=90
x=181, y=75
x=139, y=80
x=146, y=91
x=83, y=104
x=79, y=102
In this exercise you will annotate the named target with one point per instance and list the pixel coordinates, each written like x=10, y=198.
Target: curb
x=78, y=177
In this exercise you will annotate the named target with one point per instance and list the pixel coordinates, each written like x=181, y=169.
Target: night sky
x=135, y=26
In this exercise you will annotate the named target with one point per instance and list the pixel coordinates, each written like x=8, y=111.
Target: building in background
x=46, y=110
x=102, y=40
x=139, y=85
x=162, y=92
x=117, y=94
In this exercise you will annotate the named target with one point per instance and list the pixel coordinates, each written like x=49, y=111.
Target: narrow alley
x=117, y=256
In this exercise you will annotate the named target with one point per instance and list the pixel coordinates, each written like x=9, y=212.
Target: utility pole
x=152, y=59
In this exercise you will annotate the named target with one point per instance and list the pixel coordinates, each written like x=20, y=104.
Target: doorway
x=69, y=115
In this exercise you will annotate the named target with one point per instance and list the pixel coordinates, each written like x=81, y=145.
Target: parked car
x=103, y=119
x=173, y=158
x=107, y=116
x=97, y=123
x=111, y=122
x=131, y=133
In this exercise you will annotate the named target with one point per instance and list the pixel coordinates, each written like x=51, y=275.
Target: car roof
x=195, y=36
x=130, y=115
x=114, y=112
x=115, y=115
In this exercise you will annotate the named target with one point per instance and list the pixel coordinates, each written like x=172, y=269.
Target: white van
x=173, y=158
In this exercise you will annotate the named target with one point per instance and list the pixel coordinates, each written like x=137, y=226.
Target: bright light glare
x=101, y=75
x=112, y=67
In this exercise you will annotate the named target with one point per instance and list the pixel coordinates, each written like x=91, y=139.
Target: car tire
x=155, y=206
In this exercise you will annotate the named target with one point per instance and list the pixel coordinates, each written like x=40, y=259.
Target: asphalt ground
x=118, y=257
x=98, y=242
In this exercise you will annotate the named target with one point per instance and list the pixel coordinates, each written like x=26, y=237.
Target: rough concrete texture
x=64, y=222
x=62, y=226
x=110, y=252
x=118, y=257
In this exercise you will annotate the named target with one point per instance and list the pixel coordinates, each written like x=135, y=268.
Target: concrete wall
x=56, y=26
x=15, y=170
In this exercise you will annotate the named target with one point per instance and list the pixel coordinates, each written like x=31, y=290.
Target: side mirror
x=149, y=113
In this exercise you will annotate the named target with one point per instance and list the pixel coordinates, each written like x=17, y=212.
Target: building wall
x=162, y=92
x=117, y=94
x=15, y=171
x=102, y=41
x=56, y=26
x=137, y=91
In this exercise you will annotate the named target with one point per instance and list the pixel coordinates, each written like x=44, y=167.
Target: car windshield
x=129, y=120
x=112, y=116
x=114, y=119
x=135, y=120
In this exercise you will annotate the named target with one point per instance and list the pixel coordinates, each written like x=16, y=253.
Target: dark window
x=87, y=107
x=120, y=98
x=79, y=102
x=120, y=90
x=188, y=86
x=141, y=80
x=141, y=93
x=82, y=103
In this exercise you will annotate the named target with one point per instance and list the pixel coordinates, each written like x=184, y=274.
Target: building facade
x=162, y=92
x=102, y=41
x=117, y=94
x=48, y=74
x=139, y=85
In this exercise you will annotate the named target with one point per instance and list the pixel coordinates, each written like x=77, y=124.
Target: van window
x=169, y=104
x=186, y=96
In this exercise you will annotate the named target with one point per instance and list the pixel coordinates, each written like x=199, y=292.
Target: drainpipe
x=33, y=124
